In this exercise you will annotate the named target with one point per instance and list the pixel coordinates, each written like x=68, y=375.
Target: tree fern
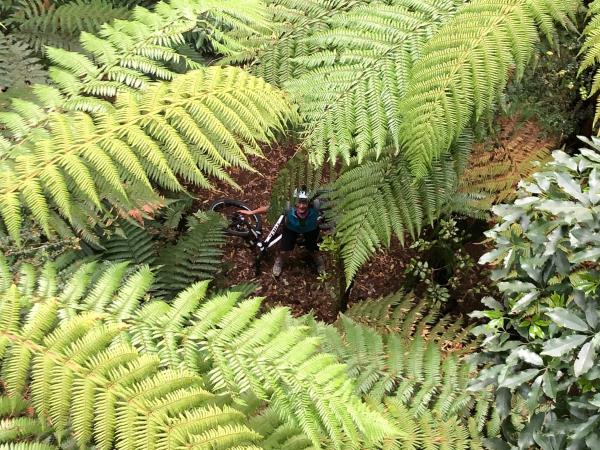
x=196, y=125
x=464, y=67
x=272, y=55
x=377, y=200
x=350, y=92
x=40, y=24
x=221, y=339
x=126, y=55
x=129, y=243
x=20, y=428
x=231, y=27
x=195, y=256
x=495, y=172
x=410, y=372
x=402, y=314
x=591, y=50
x=278, y=434
x=109, y=393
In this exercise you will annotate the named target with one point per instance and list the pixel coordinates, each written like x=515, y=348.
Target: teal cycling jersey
x=298, y=225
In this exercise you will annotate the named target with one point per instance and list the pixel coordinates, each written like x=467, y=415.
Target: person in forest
x=301, y=219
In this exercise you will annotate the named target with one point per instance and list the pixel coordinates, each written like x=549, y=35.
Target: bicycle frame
x=264, y=245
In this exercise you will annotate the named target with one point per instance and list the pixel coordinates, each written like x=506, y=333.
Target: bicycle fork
x=264, y=246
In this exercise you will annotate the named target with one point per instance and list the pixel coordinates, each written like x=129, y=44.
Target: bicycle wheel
x=237, y=224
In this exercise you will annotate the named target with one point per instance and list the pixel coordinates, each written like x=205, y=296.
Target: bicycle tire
x=229, y=202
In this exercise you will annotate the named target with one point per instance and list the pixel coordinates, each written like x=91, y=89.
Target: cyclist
x=302, y=219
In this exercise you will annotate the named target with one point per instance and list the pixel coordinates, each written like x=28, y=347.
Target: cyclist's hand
x=245, y=212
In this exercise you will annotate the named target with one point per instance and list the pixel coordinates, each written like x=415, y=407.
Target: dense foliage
x=119, y=120
x=542, y=337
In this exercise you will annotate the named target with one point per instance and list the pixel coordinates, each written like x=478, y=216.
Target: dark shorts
x=289, y=237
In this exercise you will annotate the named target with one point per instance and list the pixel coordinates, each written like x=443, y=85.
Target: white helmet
x=301, y=194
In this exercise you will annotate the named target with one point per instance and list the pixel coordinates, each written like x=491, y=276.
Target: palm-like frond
x=230, y=28
x=378, y=200
x=278, y=434
x=40, y=24
x=357, y=73
x=129, y=243
x=191, y=128
x=126, y=55
x=20, y=429
x=406, y=316
x=464, y=67
x=495, y=172
x=413, y=369
x=196, y=255
x=271, y=55
x=105, y=390
x=237, y=352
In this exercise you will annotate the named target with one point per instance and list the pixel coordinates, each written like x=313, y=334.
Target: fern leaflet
x=465, y=66
x=191, y=128
x=350, y=92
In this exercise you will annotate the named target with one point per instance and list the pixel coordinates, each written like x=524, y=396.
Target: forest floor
x=299, y=287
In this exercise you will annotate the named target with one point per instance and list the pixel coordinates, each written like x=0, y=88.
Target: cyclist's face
x=301, y=207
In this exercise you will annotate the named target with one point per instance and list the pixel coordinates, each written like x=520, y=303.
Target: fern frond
x=591, y=50
x=403, y=315
x=377, y=200
x=465, y=66
x=130, y=242
x=76, y=367
x=278, y=434
x=272, y=55
x=116, y=351
x=416, y=378
x=19, y=427
x=357, y=72
x=127, y=55
x=41, y=25
x=196, y=255
x=230, y=28
x=496, y=172
x=193, y=127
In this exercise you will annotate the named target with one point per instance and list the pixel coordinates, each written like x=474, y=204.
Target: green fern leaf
x=88, y=343
x=377, y=200
x=465, y=66
x=196, y=256
x=591, y=49
x=357, y=72
x=199, y=124
x=59, y=26
x=130, y=242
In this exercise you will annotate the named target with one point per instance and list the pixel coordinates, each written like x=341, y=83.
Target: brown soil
x=299, y=287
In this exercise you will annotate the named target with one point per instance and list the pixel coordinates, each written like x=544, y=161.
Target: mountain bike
x=249, y=227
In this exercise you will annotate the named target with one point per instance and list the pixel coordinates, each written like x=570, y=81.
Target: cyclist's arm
x=260, y=210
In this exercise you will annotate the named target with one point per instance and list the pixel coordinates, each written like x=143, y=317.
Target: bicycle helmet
x=301, y=194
